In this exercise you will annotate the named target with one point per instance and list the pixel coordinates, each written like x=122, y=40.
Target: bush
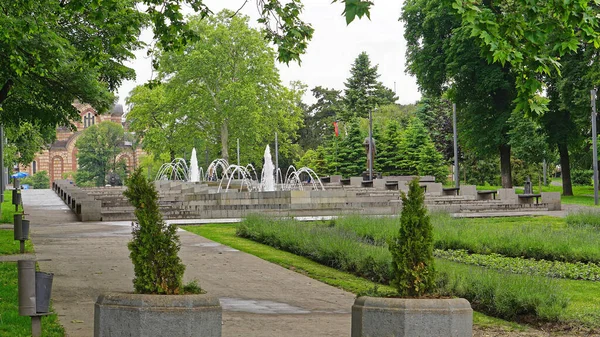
x=155, y=245
x=39, y=180
x=584, y=218
x=582, y=177
x=412, y=247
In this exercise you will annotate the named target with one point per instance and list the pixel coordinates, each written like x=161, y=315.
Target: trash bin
x=18, y=226
x=43, y=291
x=16, y=197
x=24, y=229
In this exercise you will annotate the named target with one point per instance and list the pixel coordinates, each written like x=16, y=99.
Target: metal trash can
x=18, y=226
x=43, y=291
x=24, y=229
x=16, y=197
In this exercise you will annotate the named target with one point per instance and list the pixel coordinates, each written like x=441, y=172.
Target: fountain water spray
x=268, y=172
x=194, y=172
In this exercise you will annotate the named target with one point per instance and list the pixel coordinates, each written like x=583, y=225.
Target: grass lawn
x=9, y=246
x=225, y=234
x=11, y=324
x=8, y=209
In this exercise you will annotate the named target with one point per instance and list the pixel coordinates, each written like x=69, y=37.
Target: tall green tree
x=445, y=58
x=363, y=91
x=228, y=81
x=412, y=140
x=351, y=152
x=161, y=123
x=388, y=150
x=98, y=148
x=319, y=117
x=436, y=115
x=25, y=140
x=431, y=163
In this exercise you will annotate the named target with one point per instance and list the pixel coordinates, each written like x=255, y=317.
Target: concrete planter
x=137, y=315
x=374, y=317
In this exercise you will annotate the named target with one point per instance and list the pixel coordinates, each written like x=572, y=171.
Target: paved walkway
x=258, y=297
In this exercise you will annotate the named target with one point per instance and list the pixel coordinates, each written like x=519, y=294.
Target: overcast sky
x=331, y=51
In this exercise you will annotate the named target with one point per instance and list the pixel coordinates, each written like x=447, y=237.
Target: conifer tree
x=388, y=150
x=155, y=245
x=351, y=153
x=411, y=141
x=412, y=249
x=363, y=92
x=432, y=163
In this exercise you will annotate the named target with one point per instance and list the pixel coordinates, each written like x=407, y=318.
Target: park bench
x=424, y=187
x=366, y=183
x=345, y=181
x=450, y=190
x=391, y=185
x=485, y=194
x=326, y=180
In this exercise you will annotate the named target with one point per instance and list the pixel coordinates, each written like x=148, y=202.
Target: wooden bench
x=366, y=183
x=485, y=194
x=345, y=181
x=450, y=190
x=325, y=180
x=527, y=197
x=391, y=185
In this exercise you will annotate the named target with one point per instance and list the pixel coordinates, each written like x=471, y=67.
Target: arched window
x=89, y=120
x=34, y=167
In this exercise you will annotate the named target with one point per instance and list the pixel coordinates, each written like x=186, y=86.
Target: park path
x=258, y=298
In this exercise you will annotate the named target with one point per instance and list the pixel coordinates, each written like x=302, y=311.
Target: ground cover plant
x=338, y=248
x=11, y=324
x=518, y=265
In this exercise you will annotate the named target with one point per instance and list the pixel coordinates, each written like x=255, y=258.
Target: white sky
x=331, y=51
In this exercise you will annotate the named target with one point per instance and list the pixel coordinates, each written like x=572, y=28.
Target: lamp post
x=595, y=145
x=371, y=144
x=456, y=173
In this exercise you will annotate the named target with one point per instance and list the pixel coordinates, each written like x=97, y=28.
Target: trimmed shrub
x=412, y=248
x=582, y=177
x=155, y=245
x=584, y=218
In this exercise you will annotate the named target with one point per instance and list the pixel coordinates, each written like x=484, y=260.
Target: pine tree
x=411, y=141
x=432, y=163
x=412, y=249
x=351, y=153
x=388, y=152
x=363, y=92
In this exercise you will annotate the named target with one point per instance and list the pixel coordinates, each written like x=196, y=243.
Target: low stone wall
x=85, y=206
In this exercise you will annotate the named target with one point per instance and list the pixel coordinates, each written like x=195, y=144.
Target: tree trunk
x=172, y=154
x=505, y=170
x=224, y=140
x=565, y=168
x=5, y=90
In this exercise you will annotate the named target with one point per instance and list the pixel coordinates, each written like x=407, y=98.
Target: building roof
x=117, y=110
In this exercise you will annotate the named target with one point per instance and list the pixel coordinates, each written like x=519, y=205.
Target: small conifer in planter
x=155, y=245
x=412, y=248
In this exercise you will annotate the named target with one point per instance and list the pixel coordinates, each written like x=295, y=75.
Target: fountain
x=175, y=170
x=245, y=177
x=194, y=172
x=268, y=172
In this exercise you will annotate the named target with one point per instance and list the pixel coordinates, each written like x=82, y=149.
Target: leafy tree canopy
x=98, y=148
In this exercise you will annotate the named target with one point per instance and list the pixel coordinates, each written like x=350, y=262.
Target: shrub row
x=517, y=265
x=584, y=218
x=501, y=294
x=535, y=241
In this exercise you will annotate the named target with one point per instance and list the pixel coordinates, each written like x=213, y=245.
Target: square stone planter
x=138, y=315
x=379, y=317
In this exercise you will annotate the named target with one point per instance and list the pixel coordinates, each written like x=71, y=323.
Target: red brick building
x=60, y=159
